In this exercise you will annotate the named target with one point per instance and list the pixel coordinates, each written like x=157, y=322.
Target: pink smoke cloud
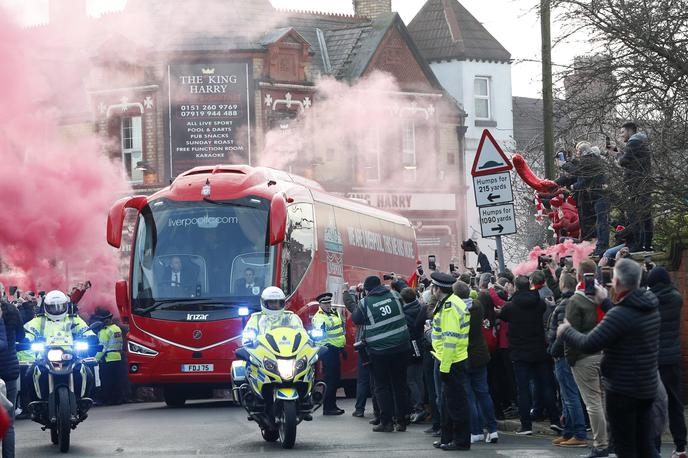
x=56, y=188
x=578, y=251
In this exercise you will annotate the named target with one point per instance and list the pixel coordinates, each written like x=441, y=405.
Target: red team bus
x=206, y=246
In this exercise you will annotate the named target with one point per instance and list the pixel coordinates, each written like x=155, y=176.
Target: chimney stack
x=66, y=11
x=372, y=8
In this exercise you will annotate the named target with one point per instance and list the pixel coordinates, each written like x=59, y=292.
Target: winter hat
x=371, y=283
x=658, y=276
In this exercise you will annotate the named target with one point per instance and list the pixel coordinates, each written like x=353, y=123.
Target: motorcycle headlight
x=285, y=368
x=55, y=355
x=81, y=346
x=301, y=365
x=37, y=347
x=270, y=365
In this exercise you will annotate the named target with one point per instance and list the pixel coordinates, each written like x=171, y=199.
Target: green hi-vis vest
x=59, y=333
x=386, y=324
x=332, y=326
x=110, y=337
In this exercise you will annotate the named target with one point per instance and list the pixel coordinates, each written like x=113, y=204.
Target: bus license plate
x=198, y=368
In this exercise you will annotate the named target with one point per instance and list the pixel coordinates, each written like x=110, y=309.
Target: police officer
x=387, y=341
x=271, y=315
x=450, y=326
x=110, y=358
x=57, y=327
x=332, y=326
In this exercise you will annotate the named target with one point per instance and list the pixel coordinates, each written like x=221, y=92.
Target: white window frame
x=408, y=148
x=135, y=152
x=476, y=96
x=373, y=148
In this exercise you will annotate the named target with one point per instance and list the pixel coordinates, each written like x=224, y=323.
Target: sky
x=514, y=23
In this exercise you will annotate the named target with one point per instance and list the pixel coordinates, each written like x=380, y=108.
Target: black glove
x=444, y=376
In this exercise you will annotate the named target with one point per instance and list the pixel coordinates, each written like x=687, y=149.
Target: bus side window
x=298, y=246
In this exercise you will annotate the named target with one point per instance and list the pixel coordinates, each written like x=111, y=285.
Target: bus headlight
x=139, y=349
x=55, y=355
x=285, y=368
x=243, y=311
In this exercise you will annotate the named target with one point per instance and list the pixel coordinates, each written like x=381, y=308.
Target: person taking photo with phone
x=582, y=313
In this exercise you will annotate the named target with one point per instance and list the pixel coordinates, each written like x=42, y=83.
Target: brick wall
x=372, y=8
x=680, y=278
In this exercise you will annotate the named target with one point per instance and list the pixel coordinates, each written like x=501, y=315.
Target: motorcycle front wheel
x=287, y=424
x=64, y=421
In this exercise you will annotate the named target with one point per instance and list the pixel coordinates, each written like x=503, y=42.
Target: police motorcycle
x=62, y=408
x=274, y=380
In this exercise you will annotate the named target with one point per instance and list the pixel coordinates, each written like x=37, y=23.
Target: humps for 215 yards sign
x=209, y=114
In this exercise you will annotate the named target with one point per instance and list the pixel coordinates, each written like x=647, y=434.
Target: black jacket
x=484, y=264
x=636, y=160
x=589, y=172
x=14, y=330
x=526, y=334
x=556, y=346
x=670, y=303
x=629, y=336
x=478, y=353
x=415, y=320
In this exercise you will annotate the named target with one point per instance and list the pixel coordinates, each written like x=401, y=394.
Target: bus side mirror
x=122, y=298
x=278, y=219
x=115, y=219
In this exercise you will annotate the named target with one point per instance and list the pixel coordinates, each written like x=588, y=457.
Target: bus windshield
x=201, y=256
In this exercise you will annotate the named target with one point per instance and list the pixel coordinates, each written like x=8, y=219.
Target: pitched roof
x=444, y=30
x=528, y=122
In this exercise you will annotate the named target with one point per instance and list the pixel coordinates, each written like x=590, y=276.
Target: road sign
x=489, y=158
x=492, y=189
x=497, y=220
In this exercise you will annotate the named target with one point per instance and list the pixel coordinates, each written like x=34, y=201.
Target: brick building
x=208, y=91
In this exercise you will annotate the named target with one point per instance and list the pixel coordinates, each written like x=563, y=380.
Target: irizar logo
x=196, y=316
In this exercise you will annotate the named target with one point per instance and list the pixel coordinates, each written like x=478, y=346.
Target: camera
x=388, y=276
x=543, y=260
x=469, y=245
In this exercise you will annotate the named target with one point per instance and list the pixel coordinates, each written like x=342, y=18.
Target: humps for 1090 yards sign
x=209, y=114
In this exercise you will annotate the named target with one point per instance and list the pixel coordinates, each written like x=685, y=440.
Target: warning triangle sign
x=489, y=158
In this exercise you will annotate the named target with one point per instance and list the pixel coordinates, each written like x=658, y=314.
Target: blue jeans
x=479, y=401
x=570, y=400
x=8, y=440
x=611, y=253
x=539, y=373
x=362, y=386
x=602, y=216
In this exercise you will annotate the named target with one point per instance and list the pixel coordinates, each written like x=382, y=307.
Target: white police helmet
x=56, y=304
x=272, y=300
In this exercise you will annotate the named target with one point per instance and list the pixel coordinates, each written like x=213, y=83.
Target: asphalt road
x=218, y=428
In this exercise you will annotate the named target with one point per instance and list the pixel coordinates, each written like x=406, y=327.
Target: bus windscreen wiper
x=167, y=302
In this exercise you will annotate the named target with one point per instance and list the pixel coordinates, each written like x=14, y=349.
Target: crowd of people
x=590, y=177
x=462, y=351
x=30, y=317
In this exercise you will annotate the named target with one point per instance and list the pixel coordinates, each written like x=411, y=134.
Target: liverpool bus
x=206, y=246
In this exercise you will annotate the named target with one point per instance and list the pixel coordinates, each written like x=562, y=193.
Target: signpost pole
x=500, y=254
